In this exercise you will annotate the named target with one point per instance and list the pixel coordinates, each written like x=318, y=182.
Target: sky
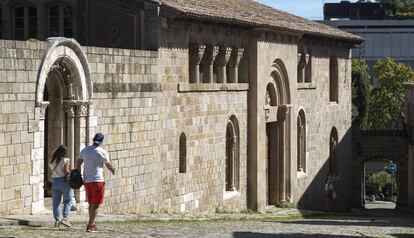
x=310, y=9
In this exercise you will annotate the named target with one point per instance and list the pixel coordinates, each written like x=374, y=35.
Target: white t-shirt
x=94, y=159
x=58, y=171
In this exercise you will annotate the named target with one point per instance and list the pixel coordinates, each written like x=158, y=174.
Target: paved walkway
x=278, y=223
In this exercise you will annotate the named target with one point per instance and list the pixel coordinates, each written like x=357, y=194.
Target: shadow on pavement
x=284, y=235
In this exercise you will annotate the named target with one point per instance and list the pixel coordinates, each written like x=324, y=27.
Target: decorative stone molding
x=69, y=49
x=214, y=87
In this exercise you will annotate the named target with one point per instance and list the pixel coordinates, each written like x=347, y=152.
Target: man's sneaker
x=91, y=228
x=65, y=222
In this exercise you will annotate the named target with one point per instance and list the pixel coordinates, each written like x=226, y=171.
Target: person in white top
x=94, y=158
x=59, y=165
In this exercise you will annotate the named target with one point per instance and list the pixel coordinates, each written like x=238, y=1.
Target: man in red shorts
x=94, y=158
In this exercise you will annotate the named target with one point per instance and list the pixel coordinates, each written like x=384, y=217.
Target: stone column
x=37, y=159
x=236, y=56
x=196, y=53
x=80, y=131
x=235, y=164
x=70, y=110
x=221, y=63
x=283, y=115
x=208, y=62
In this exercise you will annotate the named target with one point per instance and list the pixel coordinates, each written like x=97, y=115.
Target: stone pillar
x=37, y=159
x=208, y=61
x=221, y=63
x=196, y=53
x=80, y=131
x=235, y=164
x=70, y=131
x=283, y=115
x=236, y=56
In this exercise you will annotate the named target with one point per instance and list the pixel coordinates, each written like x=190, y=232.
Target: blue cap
x=98, y=138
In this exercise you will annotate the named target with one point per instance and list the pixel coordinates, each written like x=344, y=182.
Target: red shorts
x=95, y=192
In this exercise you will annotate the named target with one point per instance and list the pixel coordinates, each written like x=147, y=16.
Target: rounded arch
x=281, y=79
x=232, y=155
x=301, y=141
x=271, y=95
x=183, y=153
x=333, y=150
x=67, y=53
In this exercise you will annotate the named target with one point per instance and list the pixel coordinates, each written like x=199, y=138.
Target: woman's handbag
x=47, y=185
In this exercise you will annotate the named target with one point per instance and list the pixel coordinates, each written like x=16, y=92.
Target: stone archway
x=385, y=145
x=63, y=101
x=278, y=137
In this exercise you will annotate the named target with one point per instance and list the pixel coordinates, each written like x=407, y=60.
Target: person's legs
x=94, y=193
x=67, y=200
x=57, y=196
x=93, y=212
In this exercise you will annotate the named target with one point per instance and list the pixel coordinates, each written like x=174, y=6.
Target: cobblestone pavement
x=381, y=224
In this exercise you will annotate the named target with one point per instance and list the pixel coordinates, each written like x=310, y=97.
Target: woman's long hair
x=59, y=154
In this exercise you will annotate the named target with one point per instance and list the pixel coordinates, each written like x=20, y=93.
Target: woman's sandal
x=65, y=222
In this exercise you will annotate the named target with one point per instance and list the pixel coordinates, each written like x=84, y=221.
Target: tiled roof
x=251, y=13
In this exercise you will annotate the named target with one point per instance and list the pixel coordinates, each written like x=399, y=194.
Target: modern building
x=206, y=105
x=384, y=37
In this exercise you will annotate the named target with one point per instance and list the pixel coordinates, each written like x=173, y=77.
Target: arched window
x=333, y=151
x=60, y=21
x=301, y=138
x=25, y=22
x=232, y=155
x=183, y=153
x=333, y=79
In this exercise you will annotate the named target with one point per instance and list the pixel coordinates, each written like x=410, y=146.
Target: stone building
x=215, y=105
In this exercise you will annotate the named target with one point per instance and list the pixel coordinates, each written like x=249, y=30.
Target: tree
x=398, y=9
x=387, y=101
x=360, y=93
x=381, y=180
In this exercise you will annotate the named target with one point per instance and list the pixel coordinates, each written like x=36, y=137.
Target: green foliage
x=360, y=93
x=398, y=9
x=286, y=205
x=32, y=40
x=386, y=106
x=381, y=180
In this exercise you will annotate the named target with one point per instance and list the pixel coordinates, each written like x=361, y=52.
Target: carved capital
x=283, y=112
x=40, y=113
x=223, y=56
x=70, y=110
x=82, y=110
x=196, y=53
x=236, y=56
x=210, y=54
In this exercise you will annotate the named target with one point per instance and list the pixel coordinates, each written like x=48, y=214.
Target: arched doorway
x=379, y=184
x=63, y=96
x=277, y=133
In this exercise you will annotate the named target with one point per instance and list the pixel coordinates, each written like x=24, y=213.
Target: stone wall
x=20, y=177
x=138, y=106
x=321, y=116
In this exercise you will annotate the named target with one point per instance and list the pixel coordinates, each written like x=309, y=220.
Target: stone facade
x=207, y=122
